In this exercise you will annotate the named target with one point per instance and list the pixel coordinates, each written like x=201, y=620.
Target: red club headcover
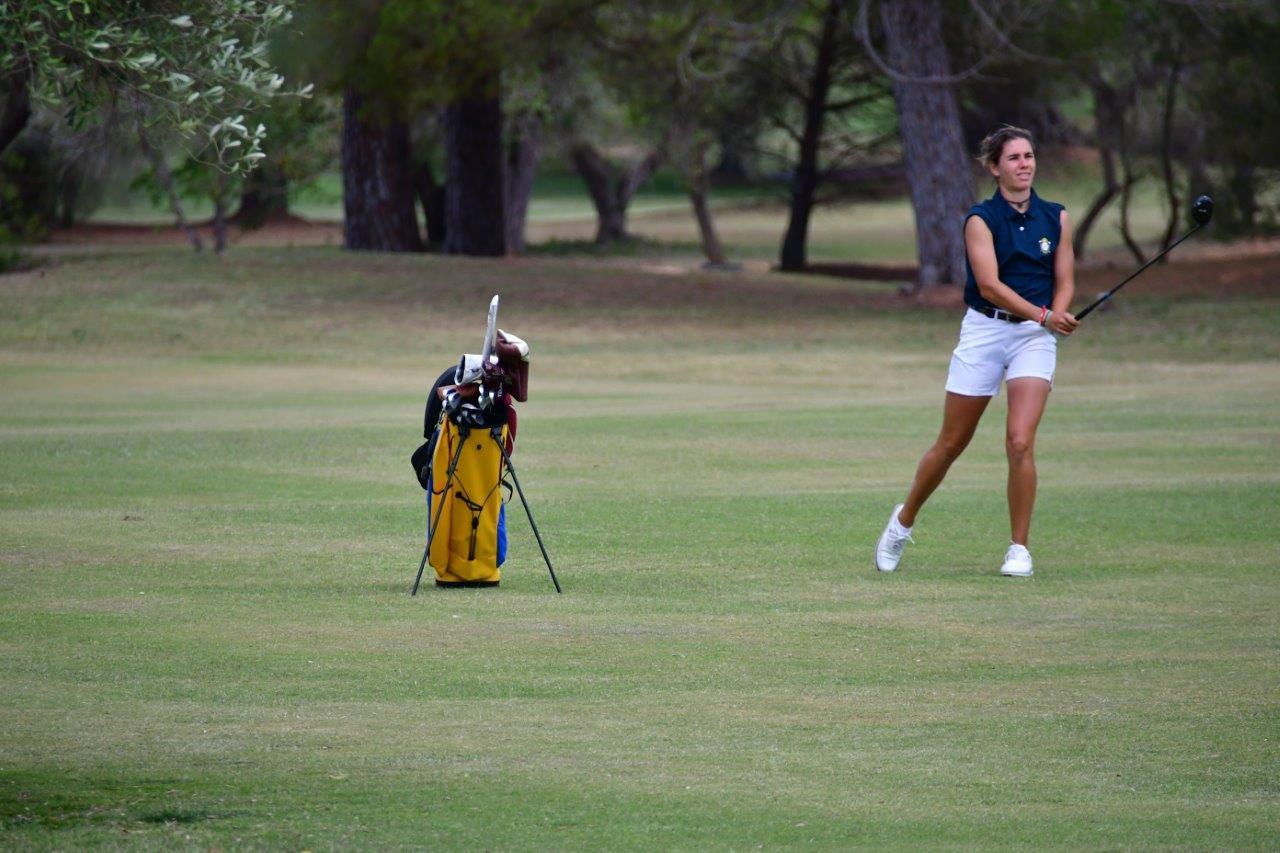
x=513, y=358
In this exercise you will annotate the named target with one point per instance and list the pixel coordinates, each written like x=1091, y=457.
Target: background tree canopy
x=438, y=116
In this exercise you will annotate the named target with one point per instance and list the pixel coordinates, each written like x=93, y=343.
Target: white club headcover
x=469, y=369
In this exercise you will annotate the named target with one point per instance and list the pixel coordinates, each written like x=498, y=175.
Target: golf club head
x=1202, y=210
x=491, y=331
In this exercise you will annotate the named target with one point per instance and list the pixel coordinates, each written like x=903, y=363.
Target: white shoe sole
x=1016, y=573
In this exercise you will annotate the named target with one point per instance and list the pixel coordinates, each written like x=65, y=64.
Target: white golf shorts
x=991, y=350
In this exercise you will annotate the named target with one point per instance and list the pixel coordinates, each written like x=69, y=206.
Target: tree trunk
x=1198, y=179
x=475, y=221
x=732, y=168
x=1166, y=153
x=431, y=197
x=1128, y=176
x=165, y=178
x=220, y=215
x=264, y=197
x=1242, y=187
x=69, y=196
x=1126, y=192
x=804, y=181
x=1108, y=192
x=711, y=245
x=611, y=189
x=17, y=107
x=699, y=181
x=938, y=172
x=611, y=216
x=377, y=193
x=1106, y=114
x=522, y=159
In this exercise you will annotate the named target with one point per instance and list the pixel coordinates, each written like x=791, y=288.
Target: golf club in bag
x=1201, y=212
x=471, y=424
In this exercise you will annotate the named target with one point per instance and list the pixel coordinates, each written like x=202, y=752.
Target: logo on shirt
x=1045, y=246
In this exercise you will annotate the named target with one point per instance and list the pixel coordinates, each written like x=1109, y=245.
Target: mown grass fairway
x=208, y=528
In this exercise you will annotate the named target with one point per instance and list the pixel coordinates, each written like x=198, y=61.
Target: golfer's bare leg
x=960, y=416
x=1027, y=398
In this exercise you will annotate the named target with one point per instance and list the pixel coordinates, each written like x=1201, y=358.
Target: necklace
x=1020, y=206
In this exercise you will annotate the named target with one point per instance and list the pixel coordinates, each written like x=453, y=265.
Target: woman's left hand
x=1061, y=323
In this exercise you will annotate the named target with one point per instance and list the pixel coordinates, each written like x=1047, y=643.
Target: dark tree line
x=444, y=109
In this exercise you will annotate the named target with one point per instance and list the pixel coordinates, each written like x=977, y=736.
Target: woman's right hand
x=1061, y=323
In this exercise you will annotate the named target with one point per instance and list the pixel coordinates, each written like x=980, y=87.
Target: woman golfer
x=1021, y=277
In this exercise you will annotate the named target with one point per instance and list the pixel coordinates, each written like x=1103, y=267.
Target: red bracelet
x=1044, y=312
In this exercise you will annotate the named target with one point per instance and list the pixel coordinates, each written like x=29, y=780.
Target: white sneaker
x=1017, y=562
x=892, y=541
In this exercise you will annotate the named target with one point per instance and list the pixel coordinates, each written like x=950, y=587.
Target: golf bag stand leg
x=448, y=481
x=496, y=434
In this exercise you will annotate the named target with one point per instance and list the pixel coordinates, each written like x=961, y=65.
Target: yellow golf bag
x=467, y=532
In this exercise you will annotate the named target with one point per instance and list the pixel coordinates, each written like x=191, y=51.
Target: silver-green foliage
x=195, y=67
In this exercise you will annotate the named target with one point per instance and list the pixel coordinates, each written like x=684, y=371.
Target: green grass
x=208, y=527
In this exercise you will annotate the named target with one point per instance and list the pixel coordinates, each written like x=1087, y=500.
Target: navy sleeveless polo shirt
x=1025, y=244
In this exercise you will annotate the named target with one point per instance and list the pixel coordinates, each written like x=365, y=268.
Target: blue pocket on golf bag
x=502, y=534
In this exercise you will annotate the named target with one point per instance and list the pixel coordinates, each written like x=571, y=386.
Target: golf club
x=1201, y=212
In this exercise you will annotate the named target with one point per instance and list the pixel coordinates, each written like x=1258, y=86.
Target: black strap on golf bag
x=421, y=458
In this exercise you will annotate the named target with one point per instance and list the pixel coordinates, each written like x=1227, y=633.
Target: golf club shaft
x=506, y=458
x=1104, y=297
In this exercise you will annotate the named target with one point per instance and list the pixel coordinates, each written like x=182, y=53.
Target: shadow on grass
x=629, y=248
x=177, y=816
x=865, y=272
